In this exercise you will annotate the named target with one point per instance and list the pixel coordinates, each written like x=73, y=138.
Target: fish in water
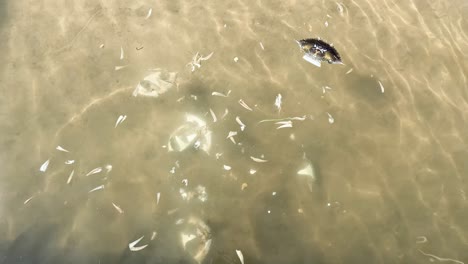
x=317, y=50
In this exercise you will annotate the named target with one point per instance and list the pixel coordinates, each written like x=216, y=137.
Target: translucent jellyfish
x=156, y=83
x=193, y=133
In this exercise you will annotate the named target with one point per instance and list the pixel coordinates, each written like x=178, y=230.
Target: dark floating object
x=317, y=50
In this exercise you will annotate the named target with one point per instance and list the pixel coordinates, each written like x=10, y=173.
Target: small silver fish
x=317, y=50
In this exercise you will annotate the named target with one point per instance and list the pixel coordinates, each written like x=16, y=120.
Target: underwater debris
x=197, y=59
x=243, y=104
x=29, y=199
x=201, y=192
x=198, y=192
x=240, y=255
x=244, y=185
x=213, y=116
x=156, y=83
x=100, y=187
x=120, y=120
x=118, y=208
x=432, y=257
x=421, y=239
x=94, y=171
x=258, y=159
x=278, y=102
x=185, y=195
x=317, y=50
x=382, y=89
x=340, y=8
x=187, y=238
x=331, y=120
x=283, y=124
x=185, y=182
x=226, y=112
x=59, y=148
x=132, y=245
x=308, y=170
x=221, y=94
x=44, y=166
x=150, y=11
x=325, y=88
x=242, y=125
x=309, y=173
x=120, y=67
x=231, y=136
x=70, y=177
x=298, y=118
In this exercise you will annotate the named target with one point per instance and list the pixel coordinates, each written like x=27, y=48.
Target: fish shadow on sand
x=39, y=244
x=279, y=233
x=367, y=89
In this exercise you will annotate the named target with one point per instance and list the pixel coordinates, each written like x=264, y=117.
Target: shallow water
x=390, y=170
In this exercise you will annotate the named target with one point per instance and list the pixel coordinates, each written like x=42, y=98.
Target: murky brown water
x=390, y=170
